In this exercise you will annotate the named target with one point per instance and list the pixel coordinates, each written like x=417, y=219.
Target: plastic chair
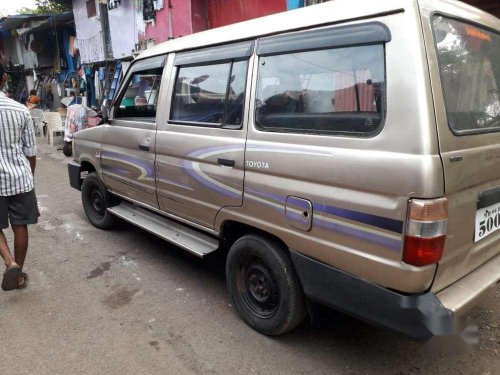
x=37, y=116
x=55, y=128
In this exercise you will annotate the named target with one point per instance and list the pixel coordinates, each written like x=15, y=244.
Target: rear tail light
x=425, y=231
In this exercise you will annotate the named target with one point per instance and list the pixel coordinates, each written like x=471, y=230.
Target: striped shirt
x=17, y=142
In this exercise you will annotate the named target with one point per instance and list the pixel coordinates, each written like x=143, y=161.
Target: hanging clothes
x=148, y=11
x=102, y=73
x=158, y=4
x=138, y=5
x=72, y=45
x=97, y=85
x=91, y=91
x=57, y=62
x=68, y=43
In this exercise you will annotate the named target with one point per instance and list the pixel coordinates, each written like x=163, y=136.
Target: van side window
x=141, y=96
x=336, y=90
x=210, y=94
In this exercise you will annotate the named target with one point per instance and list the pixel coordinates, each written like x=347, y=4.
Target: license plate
x=487, y=221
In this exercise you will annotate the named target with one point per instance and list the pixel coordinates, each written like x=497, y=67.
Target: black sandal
x=25, y=281
x=11, y=278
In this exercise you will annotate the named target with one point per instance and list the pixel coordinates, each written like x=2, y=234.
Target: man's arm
x=29, y=142
x=32, y=160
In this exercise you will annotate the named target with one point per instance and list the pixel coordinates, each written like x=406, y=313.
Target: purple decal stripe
x=297, y=203
x=208, y=150
x=298, y=218
x=130, y=160
x=117, y=170
x=273, y=197
x=188, y=167
x=390, y=243
x=377, y=221
x=175, y=183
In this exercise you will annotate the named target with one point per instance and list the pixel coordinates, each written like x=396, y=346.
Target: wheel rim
x=258, y=287
x=97, y=203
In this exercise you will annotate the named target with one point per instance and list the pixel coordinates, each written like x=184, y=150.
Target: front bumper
x=74, y=172
x=419, y=316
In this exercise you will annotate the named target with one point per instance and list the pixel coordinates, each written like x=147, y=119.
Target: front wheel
x=96, y=200
x=263, y=285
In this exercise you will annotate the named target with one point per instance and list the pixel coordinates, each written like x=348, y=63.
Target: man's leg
x=20, y=243
x=4, y=223
x=5, y=252
x=23, y=211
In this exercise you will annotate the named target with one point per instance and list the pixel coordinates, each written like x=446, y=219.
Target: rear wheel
x=96, y=200
x=263, y=285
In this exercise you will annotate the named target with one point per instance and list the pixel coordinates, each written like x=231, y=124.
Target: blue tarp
x=70, y=61
x=294, y=4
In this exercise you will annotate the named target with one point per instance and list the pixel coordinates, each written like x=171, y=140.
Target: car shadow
x=325, y=333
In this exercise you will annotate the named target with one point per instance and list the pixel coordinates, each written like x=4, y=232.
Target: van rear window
x=336, y=90
x=469, y=62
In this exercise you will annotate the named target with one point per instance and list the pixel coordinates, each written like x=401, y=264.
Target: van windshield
x=469, y=61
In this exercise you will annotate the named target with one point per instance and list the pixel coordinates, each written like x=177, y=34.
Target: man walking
x=17, y=197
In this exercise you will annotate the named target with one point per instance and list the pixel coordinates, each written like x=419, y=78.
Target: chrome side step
x=195, y=242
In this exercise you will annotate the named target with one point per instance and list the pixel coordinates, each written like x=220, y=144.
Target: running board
x=188, y=239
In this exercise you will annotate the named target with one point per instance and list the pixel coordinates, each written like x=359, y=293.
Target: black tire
x=96, y=200
x=263, y=285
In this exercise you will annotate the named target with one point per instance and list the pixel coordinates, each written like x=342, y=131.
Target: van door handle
x=226, y=162
x=144, y=147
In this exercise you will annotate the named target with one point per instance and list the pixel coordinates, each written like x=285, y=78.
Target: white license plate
x=487, y=221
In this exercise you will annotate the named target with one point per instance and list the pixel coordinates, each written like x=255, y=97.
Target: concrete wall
x=124, y=29
x=89, y=33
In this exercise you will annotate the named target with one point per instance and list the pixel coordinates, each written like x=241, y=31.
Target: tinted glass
x=200, y=93
x=469, y=60
x=337, y=90
x=141, y=97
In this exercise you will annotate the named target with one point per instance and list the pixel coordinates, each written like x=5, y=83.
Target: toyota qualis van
x=346, y=153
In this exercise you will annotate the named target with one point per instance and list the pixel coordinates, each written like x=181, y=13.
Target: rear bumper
x=419, y=316
x=74, y=172
x=461, y=296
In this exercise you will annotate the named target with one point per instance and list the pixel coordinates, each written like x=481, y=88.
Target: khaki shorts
x=20, y=209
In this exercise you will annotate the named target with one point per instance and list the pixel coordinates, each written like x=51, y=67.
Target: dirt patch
x=120, y=298
x=99, y=271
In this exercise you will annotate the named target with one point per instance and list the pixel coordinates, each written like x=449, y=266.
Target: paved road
x=125, y=302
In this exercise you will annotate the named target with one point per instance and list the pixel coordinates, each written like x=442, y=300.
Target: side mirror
x=105, y=110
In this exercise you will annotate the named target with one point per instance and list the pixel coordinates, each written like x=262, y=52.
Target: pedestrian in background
x=77, y=118
x=33, y=100
x=17, y=196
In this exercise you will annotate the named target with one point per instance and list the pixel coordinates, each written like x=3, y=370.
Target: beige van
x=346, y=153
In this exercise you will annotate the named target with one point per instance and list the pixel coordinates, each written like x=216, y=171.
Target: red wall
x=191, y=16
x=181, y=16
x=225, y=12
x=199, y=15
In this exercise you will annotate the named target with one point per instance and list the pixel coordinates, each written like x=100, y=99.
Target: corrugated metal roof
x=16, y=21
